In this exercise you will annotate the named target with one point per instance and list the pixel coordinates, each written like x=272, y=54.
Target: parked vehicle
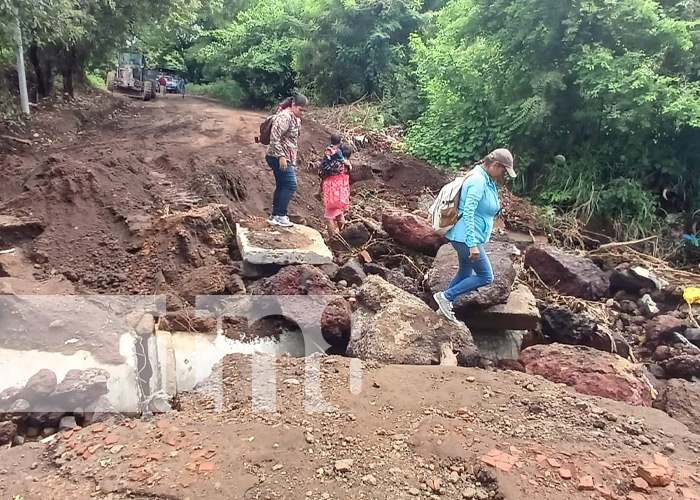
x=171, y=85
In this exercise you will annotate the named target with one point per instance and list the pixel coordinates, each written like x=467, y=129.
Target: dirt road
x=97, y=183
x=412, y=432
x=103, y=172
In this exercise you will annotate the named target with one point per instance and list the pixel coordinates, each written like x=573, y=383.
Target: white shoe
x=272, y=220
x=445, y=308
x=283, y=220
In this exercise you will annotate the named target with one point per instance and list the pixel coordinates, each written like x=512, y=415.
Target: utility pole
x=21, y=73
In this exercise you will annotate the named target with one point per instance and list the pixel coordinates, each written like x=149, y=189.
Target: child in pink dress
x=335, y=184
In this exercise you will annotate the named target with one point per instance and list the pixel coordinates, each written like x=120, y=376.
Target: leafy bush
x=228, y=91
x=258, y=50
x=97, y=81
x=608, y=83
x=355, y=48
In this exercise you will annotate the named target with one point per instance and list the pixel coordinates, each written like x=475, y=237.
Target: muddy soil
x=106, y=179
x=139, y=198
x=436, y=440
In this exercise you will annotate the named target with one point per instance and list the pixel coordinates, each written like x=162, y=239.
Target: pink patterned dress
x=336, y=195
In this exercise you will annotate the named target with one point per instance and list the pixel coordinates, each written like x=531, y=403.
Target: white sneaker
x=272, y=220
x=445, y=308
x=283, y=220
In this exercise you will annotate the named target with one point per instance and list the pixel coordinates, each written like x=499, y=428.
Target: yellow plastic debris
x=692, y=295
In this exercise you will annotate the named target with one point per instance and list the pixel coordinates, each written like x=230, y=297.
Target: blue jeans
x=286, y=184
x=471, y=275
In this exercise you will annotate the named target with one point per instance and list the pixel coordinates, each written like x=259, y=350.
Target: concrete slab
x=161, y=355
x=518, y=313
x=262, y=244
x=64, y=332
x=17, y=366
x=499, y=344
x=196, y=355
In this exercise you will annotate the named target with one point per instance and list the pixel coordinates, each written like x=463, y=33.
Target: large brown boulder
x=413, y=232
x=661, y=328
x=8, y=431
x=205, y=280
x=336, y=322
x=80, y=387
x=309, y=280
x=40, y=386
x=589, y=371
x=445, y=267
x=684, y=366
x=570, y=274
x=681, y=400
x=392, y=326
x=296, y=280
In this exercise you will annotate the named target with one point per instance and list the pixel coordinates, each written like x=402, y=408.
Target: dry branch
x=16, y=139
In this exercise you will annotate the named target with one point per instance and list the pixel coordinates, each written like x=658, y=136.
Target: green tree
x=356, y=48
x=258, y=50
x=611, y=84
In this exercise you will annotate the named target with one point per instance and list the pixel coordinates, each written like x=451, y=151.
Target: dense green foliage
x=612, y=86
x=228, y=91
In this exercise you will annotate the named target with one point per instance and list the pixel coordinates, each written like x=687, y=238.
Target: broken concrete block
x=518, y=313
x=261, y=244
x=497, y=345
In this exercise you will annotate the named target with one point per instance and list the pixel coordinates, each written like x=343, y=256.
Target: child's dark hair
x=347, y=149
x=335, y=139
x=299, y=100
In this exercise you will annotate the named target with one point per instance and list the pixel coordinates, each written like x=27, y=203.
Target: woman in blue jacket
x=478, y=205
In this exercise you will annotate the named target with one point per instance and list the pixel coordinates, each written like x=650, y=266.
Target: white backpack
x=444, y=211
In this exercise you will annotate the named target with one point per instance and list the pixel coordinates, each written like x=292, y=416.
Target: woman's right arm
x=472, y=192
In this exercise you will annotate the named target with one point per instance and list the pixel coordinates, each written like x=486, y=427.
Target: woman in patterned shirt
x=281, y=156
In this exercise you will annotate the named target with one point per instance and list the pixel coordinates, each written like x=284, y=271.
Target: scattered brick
x=655, y=474
x=640, y=484
x=206, y=467
x=586, y=483
x=499, y=460
x=111, y=439
x=565, y=474
x=97, y=428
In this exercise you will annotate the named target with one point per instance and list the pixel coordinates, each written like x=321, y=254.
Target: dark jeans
x=286, y=182
x=471, y=275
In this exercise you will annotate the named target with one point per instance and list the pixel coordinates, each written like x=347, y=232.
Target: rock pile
x=44, y=406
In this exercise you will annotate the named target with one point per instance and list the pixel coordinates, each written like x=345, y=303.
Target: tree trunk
x=48, y=73
x=68, y=71
x=38, y=70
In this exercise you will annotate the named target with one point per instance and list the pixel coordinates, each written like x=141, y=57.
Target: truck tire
x=154, y=90
x=147, y=89
x=111, y=76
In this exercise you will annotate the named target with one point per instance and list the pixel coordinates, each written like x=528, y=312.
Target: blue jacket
x=478, y=205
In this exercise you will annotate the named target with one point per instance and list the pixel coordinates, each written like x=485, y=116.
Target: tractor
x=131, y=77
